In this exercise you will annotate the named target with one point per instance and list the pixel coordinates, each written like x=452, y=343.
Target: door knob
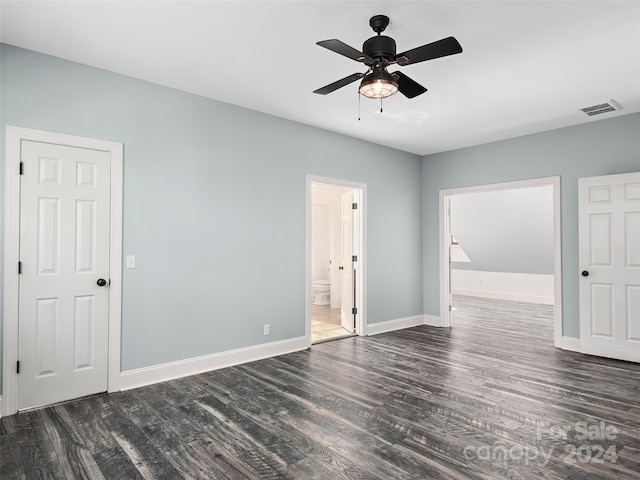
x=340, y=268
x=585, y=273
x=101, y=282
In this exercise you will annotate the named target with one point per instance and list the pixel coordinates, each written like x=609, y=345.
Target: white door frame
x=14, y=138
x=445, y=235
x=361, y=277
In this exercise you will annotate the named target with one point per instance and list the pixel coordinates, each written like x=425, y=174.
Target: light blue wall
x=214, y=203
x=214, y=207
x=505, y=231
x=597, y=148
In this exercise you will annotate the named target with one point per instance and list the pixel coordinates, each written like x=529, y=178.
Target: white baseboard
x=504, y=296
x=191, y=366
x=397, y=324
x=431, y=320
x=400, y=323
x=518, y=287
x=1, y=407
x=570, y=343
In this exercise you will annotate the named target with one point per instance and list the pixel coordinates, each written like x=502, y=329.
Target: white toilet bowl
x=321, y=292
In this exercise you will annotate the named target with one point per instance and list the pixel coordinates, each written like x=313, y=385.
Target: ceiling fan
x=378, y=53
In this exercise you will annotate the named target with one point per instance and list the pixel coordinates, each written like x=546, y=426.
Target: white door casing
x=58, y=255
x=609, y=256
x=445, y=243
x=346, y=262
x=357, y=253
x=359, y=240
x=64, y=249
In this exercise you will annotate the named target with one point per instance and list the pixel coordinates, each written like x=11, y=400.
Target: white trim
x=361, y=275
x=431, y=320
x=1, y=406
x=397, y=324
x=513, y=297
x=11, y=283
x=519, y=287
x=14, y=137
x=557, y=263
x=192, y=366
x=115, y=267
x=570, y=343
x=445, y=232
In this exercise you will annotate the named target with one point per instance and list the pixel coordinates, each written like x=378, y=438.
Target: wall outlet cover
x=131, y=261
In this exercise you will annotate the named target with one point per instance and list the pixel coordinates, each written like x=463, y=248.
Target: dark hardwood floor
x=489, y=398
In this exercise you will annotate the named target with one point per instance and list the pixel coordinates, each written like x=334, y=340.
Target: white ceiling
x=527, y=66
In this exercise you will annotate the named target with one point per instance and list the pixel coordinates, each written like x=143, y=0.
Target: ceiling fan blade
x=344, y=49
x=441, y=48
x=407, y=86
x=339, y=84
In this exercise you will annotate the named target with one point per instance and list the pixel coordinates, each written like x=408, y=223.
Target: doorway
x=62, y=268
x=452, y=249
x=335, y=259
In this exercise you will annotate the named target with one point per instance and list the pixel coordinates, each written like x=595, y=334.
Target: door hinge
x=354, y=206
x=18, y=366
x=354, y=311
x=354, y=258
x=19, y=268
x=450, y=308
x=21, y=168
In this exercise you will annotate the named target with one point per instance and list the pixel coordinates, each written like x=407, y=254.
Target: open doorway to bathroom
x=335, y=261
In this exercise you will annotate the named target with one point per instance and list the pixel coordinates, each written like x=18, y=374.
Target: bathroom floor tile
x=325, y=324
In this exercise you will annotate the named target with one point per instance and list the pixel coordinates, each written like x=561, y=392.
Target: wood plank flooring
x=489, y=398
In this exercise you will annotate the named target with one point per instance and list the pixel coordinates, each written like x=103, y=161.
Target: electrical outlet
x=266, y=329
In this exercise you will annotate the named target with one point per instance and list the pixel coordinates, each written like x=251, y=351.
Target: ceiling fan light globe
x=378, y=85
x=378, y=89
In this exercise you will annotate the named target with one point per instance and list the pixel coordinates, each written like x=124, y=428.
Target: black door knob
x=101, y=282
x=340, y=268
x=585, y=273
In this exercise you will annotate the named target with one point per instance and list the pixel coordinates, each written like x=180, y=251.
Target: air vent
x=611, y=106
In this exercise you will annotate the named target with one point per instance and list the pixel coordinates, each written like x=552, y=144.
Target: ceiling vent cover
x=611, y=106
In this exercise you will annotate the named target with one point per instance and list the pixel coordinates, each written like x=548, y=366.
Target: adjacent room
x=509, y=235
x=300, y=239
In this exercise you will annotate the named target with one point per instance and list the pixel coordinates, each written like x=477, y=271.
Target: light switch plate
x=131, y=261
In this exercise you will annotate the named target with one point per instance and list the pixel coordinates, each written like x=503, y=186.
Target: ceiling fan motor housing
x=378, y=53
x=380, y=46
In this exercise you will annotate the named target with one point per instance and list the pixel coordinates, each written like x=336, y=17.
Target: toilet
x=321, y=292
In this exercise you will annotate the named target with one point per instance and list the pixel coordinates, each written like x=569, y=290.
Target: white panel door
x=346, y=264
x=609, y=250
x=64, y=251
x=335, y=274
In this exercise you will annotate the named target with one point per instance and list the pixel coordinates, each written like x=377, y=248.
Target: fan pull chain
x=358, y=106
x=380, y=104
